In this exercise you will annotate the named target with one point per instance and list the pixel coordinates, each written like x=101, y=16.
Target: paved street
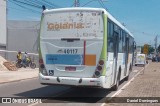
x=32, y=88
x=67, y=52
x=22, y=74
x=144, y=85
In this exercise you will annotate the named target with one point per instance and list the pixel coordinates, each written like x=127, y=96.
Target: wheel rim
x=33, y=65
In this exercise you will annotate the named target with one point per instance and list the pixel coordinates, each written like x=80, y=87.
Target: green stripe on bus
x=40, y=54
x=104, y=50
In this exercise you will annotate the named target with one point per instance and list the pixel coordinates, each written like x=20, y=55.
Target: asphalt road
x=62, y=94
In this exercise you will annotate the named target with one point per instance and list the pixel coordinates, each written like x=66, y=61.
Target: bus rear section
x=71, y=47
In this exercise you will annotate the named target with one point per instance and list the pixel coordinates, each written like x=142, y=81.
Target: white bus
x=83, y=47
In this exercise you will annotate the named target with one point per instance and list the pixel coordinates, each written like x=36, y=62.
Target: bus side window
x=131, y=45
x=120, y=41
x=123, y=42
x=110, y=36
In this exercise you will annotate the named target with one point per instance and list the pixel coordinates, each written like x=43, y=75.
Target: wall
x=3, y=22
x=22, y=35
x=3, y=54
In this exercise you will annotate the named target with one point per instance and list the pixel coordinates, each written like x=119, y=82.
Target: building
x=17, y=35
x=22, y=36
x=3, y=26
x=3, y=22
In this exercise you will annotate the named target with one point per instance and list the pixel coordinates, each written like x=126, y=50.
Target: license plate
x=70, y=68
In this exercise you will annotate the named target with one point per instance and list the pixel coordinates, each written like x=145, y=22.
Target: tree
x=150, y=49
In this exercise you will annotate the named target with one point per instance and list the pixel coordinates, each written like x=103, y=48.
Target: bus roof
x=89, y=9
x=118, y=23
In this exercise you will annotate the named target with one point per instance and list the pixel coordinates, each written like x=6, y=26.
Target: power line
x=88, y=3
x=32, y=5
x=51, y=3
x=42, y=3
x=10, y=7
x=34, y=11
x=102, y=4
x=72, y=5
x=138, y=31
x=99, y=1
x=145, y=33
x=22, y=10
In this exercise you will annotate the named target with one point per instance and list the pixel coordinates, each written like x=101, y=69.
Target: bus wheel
x=115, y=87
x=126, y=78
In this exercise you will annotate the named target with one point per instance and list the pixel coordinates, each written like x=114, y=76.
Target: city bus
x=84, y=47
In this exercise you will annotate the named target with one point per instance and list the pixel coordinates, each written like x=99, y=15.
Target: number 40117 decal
x=70, y=51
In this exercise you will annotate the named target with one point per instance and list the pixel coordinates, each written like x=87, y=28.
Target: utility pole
x=156, y=44
x=76, y=3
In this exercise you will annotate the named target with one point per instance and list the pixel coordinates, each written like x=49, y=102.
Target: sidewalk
x=144, y=85
x=21, y=74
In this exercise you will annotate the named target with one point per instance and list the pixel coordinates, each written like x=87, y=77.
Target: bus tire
x=126, y=78
x=115, y=87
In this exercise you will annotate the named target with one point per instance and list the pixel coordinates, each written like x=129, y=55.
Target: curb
x=16, y=80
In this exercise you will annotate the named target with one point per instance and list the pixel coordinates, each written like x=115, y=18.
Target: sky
x=141, y=17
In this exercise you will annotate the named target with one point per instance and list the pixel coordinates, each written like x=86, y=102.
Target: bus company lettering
x=59, y=26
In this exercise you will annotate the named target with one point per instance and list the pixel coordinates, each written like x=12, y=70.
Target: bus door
x=126, y=54
x=115, y=56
